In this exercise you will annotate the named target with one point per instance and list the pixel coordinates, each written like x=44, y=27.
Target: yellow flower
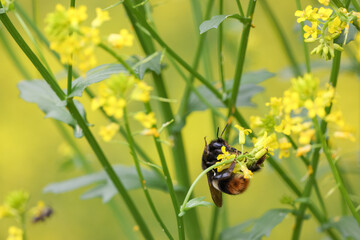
x=284, y=147
x=242, y=133
x=122, y=39
x=345, y=133
x=223, y=157
x=311, y=31
x=291, y=101
x=306, y=86
x=265, y=144
x=109, y=131
x=255, y=121
x=336, y=25
x=247, y=173
x=324, y=2
x=141, y=92
x=308, y=14
x=336, y=117
x=15, y=233
x=315, y=107
x=303, y=150
x=288, y=124
x=151, y=132
x=147, y=120
x=325, y=13
x=115, y=107
x=276, y=106
x=5, y=211
x=306, y=136
x=101, y=16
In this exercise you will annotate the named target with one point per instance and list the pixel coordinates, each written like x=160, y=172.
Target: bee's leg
x=225, y=174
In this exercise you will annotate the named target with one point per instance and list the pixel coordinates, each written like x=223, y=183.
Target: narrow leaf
x=106, y=189
x=215, y=21
x=261, y=226
x=39, y=92
x=194, y=203
x=150, y=63
x=346, y=225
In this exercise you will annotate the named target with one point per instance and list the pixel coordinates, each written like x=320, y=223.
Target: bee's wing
x=216, y=195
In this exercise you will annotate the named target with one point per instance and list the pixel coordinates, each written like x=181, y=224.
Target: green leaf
x=39, y=92
x=261, y=226
x=215, y=21
x=150, y=63
x=347, y=226
x=102, y=72
x=247, y=90
x=193, y=203
x=95, y=75
x=105, y=189
x=350, y=37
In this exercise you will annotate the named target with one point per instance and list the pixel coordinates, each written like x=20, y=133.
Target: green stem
x=199, y=49
x=30, y=54
x=336, y=174
x=241, y=58
x=70, y=67
x=23, y=226
x=141, y=176
x=281, y=34
x=220, y=47
x=240, y=8
x=114, y=208
x=178, y=151
x=214, y=223
x=316, y=154
x=108, y=169
x=168, y=179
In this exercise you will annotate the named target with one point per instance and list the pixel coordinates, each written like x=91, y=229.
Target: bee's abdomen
x=234, y=185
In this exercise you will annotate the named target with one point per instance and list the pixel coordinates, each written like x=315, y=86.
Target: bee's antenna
x=224, y=129
x=217, y=133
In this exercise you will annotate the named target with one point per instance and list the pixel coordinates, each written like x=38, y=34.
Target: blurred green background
x=29, y=144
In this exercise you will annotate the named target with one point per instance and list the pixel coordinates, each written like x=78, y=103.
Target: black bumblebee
x=225, y=181
x=45, y=213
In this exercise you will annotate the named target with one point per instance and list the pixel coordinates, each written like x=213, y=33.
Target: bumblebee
x=225, y=181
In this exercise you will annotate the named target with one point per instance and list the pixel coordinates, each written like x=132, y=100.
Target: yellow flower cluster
x=113, y=95
x=286, y=114
x=71, y=38
x=14, y=204
x=325, y=26
x=15, y=233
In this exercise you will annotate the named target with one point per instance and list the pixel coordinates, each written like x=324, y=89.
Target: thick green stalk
x=199, y=50
x=108, y=169
x=70, y=67
x=281, y=34
x=241, y=58
x=141, y=176
x=168, y=179
x=178, y=151
x=316, y=154
x=30, y=54
x=336, y=174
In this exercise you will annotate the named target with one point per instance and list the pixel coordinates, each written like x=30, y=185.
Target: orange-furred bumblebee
x=225, y=181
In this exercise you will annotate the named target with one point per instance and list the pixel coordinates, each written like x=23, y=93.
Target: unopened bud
x=260, y=153
x=338, y=47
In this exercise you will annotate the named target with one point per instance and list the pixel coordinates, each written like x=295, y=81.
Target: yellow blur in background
x=29, y=144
